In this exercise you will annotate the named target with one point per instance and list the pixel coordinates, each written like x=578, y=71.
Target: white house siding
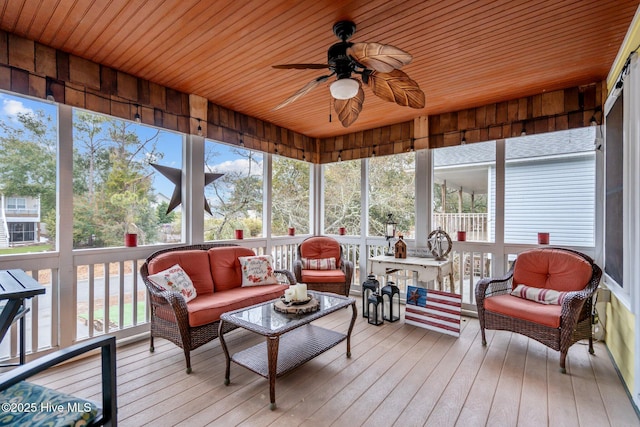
x=548, y=195
x=551, y=195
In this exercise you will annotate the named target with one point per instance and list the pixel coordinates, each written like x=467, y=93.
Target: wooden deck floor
x=398, y=375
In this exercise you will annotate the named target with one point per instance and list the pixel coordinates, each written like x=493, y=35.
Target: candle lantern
x=389, y=232
x=375, y=309
x=369, y=286
x=391, y=302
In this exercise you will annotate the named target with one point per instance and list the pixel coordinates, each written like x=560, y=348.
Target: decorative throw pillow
x=544, y=296
x=257, y=270
x=319, y=264
x=175, y=279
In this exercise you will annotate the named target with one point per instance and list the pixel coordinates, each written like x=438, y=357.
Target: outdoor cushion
x=552, y=269
x=541, y=295
x=321, y=247
x=323, y=276
x=225, y=266
x=257, y=270
x=36, y=405
x=318, y=264
x=520, y=308
x=191, y=262
x=208, y=308
x=175, y=279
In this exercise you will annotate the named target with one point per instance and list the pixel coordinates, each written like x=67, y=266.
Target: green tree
x=235, y=197
x=392, y=191
x=289, y=196
x=28, y=160
x=342, y=197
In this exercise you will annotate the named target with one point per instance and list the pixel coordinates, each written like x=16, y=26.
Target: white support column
x=315, y=200
x=499, y=263
x=364, y=216
x=193, y=189
x=423, y=195
x=67, y=294
x=267, y=204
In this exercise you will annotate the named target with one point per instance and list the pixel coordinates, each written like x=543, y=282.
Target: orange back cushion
x=225, y=267
x=321, y=247
x=552, y=269
x=194, y=262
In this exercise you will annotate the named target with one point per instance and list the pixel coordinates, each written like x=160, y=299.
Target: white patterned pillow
x=319, y=264
x=175, y=279
x=257, y=270
x=541, y=295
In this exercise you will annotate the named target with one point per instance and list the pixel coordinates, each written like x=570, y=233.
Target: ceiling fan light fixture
x=344, y=88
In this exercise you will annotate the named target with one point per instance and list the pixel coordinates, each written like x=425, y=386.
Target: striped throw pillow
x=543, y=296
x=319, y=264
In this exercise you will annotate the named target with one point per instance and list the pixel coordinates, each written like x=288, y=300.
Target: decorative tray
x=298, y=307
x=296, y=302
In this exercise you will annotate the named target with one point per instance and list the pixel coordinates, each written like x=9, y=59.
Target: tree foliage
x=289, y=196
x=342, y=197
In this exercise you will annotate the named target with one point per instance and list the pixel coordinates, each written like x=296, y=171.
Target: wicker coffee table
x=291, y=339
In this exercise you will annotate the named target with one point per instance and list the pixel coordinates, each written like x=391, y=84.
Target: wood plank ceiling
x=466, y=53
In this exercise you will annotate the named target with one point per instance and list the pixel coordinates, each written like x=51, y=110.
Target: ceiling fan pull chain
x=329, y=110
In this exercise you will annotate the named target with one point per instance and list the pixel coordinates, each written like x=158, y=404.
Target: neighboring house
x=19, y=220
x=549, y=184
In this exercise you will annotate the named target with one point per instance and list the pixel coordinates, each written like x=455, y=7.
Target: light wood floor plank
x=397, y=375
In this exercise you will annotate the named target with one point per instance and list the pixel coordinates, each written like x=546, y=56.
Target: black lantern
x=375, y=309
x=369, y=286
x=391, y=302
x=389, y=232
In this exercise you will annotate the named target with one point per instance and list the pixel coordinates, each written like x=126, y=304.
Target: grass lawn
x=26, y=249
x=113, y=313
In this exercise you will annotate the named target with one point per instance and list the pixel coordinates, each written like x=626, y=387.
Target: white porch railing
x=475, y=224
x=109, y=295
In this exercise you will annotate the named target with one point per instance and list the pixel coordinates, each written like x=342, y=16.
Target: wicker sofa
x=558, y=323
x=216, y=275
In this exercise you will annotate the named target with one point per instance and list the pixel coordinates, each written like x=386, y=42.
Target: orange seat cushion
x=225, y=266
x=323, y=276
x=552, y=269
x=520, y=308
x=321, y=247
x=194, y=262
x=205, y=309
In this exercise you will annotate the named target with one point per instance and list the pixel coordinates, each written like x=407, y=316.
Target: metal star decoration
x=175, y=176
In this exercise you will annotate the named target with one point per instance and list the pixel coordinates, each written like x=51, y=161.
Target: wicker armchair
x=556, y=326
x=318, y=247
x=169, y=314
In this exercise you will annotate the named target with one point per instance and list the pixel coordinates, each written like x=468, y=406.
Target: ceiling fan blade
x=397, y=87
x=302, y=91
x=301, y=66
x=379, y=57
x=349, y=109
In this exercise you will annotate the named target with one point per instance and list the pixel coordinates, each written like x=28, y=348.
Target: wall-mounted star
x=175, y=176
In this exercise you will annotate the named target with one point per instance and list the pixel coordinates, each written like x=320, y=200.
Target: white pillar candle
x=288, y=295
x=301, y=292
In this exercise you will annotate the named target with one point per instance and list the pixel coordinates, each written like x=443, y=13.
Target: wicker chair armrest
x=297, y=270
x=490, y=286
x=347, y=268
x=162, y=297
x=288, y=274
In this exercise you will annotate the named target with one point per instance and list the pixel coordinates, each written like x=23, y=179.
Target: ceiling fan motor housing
x=339, y=61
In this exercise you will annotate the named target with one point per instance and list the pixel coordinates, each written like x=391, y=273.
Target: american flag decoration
x=435, y=310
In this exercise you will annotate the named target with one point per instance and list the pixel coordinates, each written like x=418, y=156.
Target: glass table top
x=265, y=320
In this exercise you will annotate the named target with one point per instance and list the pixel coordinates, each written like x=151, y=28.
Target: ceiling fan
x=378, y=66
